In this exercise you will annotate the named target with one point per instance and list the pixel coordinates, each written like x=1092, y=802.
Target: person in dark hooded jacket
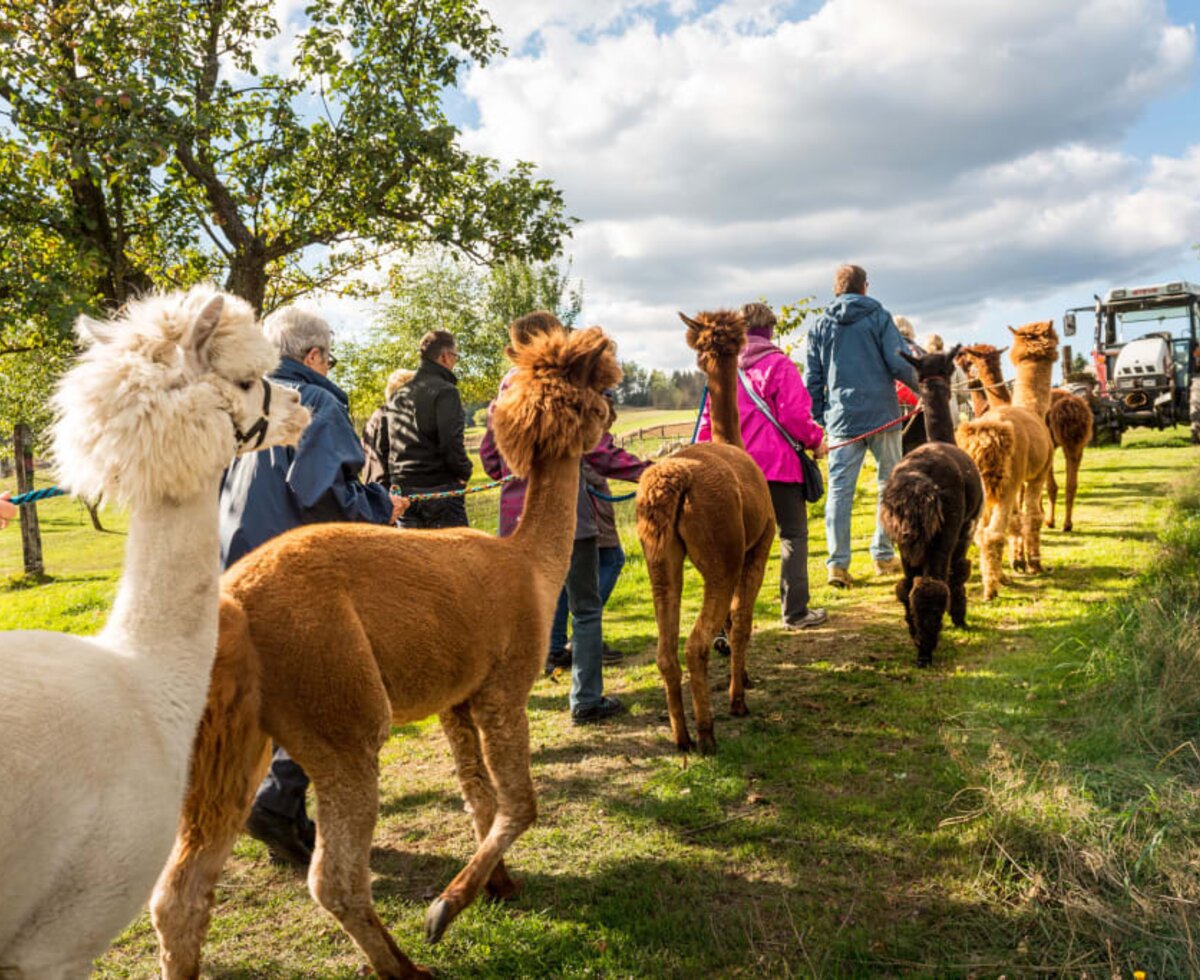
x=854, y=362
x=274, y=490
x=426, y=448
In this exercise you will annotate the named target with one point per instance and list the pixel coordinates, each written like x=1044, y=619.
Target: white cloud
x=966, y=153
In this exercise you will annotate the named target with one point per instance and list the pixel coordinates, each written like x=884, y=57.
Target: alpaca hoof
x=1018, y=564
x=737, y=708
x=708, y=743
x=926, y=661
x=439, y=916
x=1066, y=527
x=1051, y=524
x=685, y=744
x=960, y=622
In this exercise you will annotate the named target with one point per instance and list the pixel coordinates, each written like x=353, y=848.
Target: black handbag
x=814, y=482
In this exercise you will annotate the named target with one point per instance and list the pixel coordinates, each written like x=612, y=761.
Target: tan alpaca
x=331, y=634
x=708, y=502
x=1011, y=446
x=1070, y=424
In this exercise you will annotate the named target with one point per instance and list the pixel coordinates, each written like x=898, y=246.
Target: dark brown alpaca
x=333, y=633
x=929, y=508
x=1070, y=424
x=708, y=502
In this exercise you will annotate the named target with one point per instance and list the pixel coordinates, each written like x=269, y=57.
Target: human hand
x=8, y=511
x=822, y=450
x=399, y=506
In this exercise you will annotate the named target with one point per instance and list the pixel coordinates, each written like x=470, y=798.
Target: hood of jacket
x=293, y=372
x=755, y=350
x=850, y=308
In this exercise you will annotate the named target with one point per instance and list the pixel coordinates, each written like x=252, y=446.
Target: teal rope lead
x=609, y=497
x=35, y=495
x=700, y=414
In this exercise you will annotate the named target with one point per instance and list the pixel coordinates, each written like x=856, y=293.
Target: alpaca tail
x=229, y=750
x=911, y=512
x=660, y=495
x=991, y=443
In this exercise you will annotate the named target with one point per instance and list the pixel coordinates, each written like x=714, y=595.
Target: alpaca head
x=158, y=402
x=974, y=358
x=554, y=406
x=715, y=336
x=1034, y=342
x=935, y=365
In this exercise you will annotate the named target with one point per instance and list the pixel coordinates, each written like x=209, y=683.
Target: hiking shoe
x=284, y=838
x=721, y=644
x=556, y=659
x=814, y=617
x=839, y=578
x=610, y=656
x=606, y=707
x=888, y=566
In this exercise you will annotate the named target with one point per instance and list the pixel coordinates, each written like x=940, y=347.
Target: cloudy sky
x=988, y=163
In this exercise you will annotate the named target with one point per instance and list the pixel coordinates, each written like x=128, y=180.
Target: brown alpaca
x=1070, y=424
x=330, y=634
x=708, y=502
x=1011, y=446
x=979, y=400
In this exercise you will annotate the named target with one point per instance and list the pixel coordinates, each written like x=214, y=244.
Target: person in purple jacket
x=777, y=382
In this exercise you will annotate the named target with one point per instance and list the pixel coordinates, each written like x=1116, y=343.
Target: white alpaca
x=96, y=732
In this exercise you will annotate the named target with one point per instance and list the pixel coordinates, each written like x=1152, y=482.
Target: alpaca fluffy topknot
x=553, y=406
x=140, y=417
x=1034, y=342
x=714, y=335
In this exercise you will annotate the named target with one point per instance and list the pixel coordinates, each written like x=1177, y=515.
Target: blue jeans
x=612, y=560
x=844, y=466
x=583, y=601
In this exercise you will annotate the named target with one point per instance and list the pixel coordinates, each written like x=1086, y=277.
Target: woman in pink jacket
x=777, y=382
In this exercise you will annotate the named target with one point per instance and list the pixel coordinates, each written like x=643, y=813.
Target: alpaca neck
x=1032, y=388
x=993, y=384
x=939, y=422
x=979, y=399
x=165, y=613
x=546, y=530
x=723, y=403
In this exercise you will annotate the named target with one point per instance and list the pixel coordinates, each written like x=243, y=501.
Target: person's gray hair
x=296, y=331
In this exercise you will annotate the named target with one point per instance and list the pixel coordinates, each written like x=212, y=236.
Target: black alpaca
x=929, y=508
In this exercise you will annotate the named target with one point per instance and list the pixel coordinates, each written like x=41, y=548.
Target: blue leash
x=609, y=497
x=32, y=495
x=700, y=414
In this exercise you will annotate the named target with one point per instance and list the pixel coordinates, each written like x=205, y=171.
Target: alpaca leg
x=928, y=601
x=1052, y=495
x=1031, y=524
x=347, y=788
x=1016, y=537
x=477, y=789
x=960, y=571
x=903, y=588
x=718, y=597
x=1074, y=457
x=742, y=619
x=991, y=548
x=504, y=730
x=666, y=585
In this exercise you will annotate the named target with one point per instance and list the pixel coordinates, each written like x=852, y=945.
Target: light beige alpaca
x=331, y=634
x=95, y=732
x=1011, y=446
x=708, y=502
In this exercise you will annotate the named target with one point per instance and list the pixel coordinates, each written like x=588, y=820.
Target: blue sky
x=990, y=163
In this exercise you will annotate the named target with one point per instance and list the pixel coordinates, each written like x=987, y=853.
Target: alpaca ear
x=205, y=324
x=1003, y=349
x=1011, y=331
x=954, y=351
x=586, y=349
x=690, y=322
x=95, y=331
x=914, y=361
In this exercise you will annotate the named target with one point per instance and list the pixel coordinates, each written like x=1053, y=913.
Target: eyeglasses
x=330, y=359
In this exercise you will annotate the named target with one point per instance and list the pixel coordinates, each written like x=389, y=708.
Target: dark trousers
x=791, y=516
x=612, y=560
x=281, y=793
x=447, y=512
x=583, y=599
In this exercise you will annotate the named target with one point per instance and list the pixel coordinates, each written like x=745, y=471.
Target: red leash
x=867, y=435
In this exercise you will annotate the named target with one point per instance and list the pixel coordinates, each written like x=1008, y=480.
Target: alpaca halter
x=259, y=428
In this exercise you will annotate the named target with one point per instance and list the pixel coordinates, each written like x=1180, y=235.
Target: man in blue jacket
x=853, y=363
x=274, y=490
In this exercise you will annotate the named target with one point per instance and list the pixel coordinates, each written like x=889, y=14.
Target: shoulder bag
x=814, y=483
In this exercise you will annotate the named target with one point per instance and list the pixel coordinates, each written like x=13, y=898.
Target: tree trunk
x=31, y=535
x=248, y=277
x=93, y=509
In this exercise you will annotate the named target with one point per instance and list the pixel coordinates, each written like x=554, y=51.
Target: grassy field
x=1026, y=807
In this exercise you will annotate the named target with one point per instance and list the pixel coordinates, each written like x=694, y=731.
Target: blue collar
x=291, y=371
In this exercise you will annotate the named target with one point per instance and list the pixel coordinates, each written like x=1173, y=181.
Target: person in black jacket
x=426, y=453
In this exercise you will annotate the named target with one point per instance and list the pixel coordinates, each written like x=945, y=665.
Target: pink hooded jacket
x=777, y=382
